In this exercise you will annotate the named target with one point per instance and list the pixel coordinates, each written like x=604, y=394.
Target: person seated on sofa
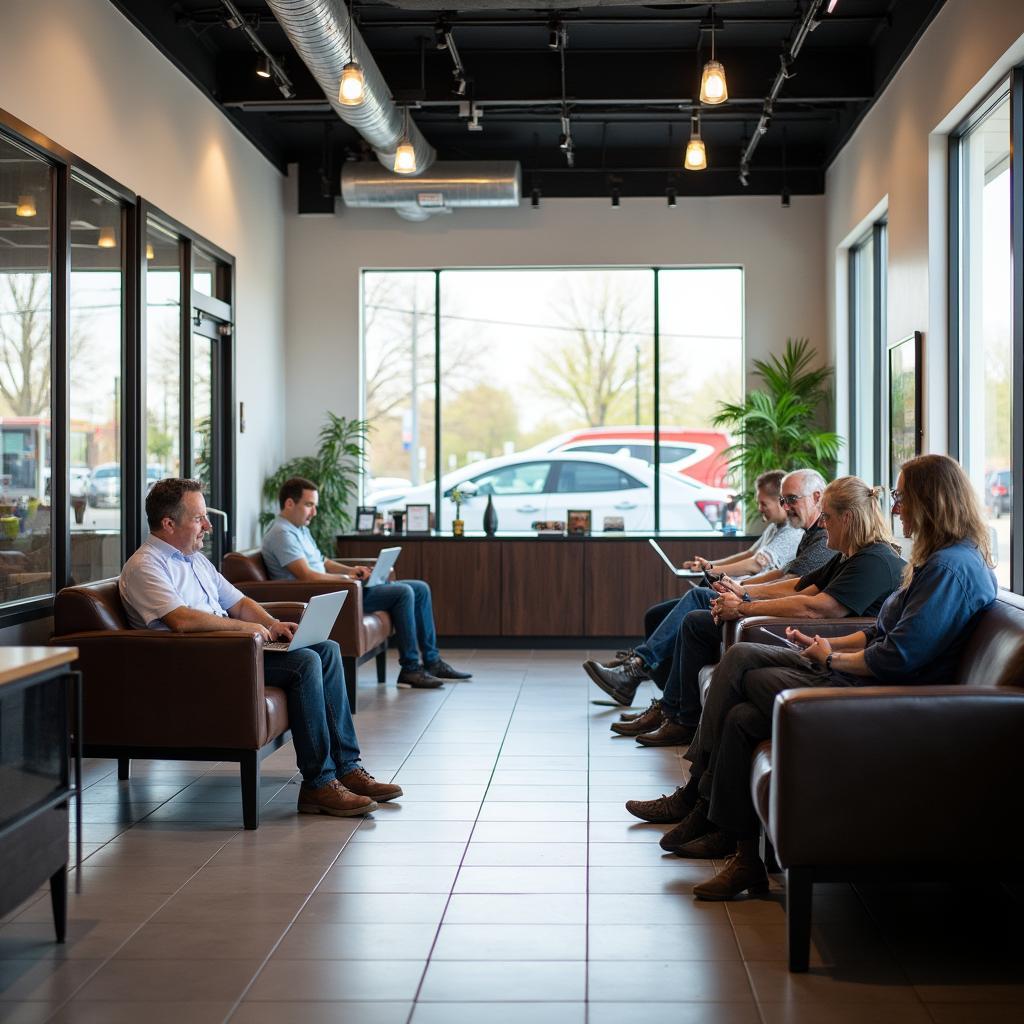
x=863, y=570
x=170, y=584
x=289, y=552
x=798, y=499
x=774, y=549
x=916, y=638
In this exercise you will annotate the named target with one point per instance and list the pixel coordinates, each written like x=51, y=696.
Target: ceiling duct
x=320, y=32
x=447, y=185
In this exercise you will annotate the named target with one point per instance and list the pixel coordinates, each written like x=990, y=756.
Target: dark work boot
x=742, y=873
x=619, y=683
x=711, y=846
x=647, y=722
x=668, y=734
x=693, y=826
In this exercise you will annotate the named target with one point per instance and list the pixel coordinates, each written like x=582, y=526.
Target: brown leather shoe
x=631, y=716
x=668, y=734
x=742, y=873
x=712, y=846
x=650, y=720
x=418, y=679
x=360, y=781
x=693, y=826
x=334, y=799
x=664, y=810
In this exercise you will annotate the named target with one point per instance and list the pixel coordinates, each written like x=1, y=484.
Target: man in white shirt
x=170, y=584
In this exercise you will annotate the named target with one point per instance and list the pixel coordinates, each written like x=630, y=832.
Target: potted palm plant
x=777, y=425
x=335, y=469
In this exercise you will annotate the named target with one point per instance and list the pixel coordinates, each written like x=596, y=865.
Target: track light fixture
x=670, y=198
x=785, y=198
x=26, y=206
x=263, y=68
x=150, y=252
x=107, y=239
x=405, y=155
x=616, y=201
x=535, y=199
x=557, y=34
x=696, y=158
x=713, y=87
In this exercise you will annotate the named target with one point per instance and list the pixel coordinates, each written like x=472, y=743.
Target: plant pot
x=458, y=528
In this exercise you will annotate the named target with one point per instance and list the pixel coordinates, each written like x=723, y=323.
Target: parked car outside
x=105, y=484
x=697, y=454
x=1000, y=492
x=533, y=485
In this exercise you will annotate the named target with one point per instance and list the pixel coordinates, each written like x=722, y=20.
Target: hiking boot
x=712, y=846
x=742, y=873
x=620, y=658
x=647, y=722
x=619, y=683
x=335, y=799
x=631, y=716
x=664, y=810
x=418, y=679
x=360, y=781
x=440, y=669
x=668, y=734
x=693, y=826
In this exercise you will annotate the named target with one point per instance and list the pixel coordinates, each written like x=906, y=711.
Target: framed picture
x=578, y=522
x=365, y=515
x=614, y=524
x=417, y=519
x=905, y=419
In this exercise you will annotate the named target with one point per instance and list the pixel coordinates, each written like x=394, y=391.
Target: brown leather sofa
x=172, y=696
x=883, y=782
x=361, y=635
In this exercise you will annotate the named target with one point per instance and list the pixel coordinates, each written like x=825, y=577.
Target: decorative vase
x=458, y=528
x=490, y=518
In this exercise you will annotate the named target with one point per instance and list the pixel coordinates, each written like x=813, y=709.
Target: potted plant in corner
x=335, y=469
x=777, y=424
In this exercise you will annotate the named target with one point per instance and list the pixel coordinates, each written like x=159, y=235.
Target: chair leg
x=351, y=667
x=382, y=665
x=799, y=899
x=124, y=768
x=771, y=862
x=249, y=771
x=59, y=901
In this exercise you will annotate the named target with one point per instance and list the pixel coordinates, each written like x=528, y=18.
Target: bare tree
x=25, y=344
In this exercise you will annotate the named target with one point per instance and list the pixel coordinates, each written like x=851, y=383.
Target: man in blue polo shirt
x=169, y=584
x=289, y=552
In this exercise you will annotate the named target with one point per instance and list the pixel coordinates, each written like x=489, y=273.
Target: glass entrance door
x=206, y=428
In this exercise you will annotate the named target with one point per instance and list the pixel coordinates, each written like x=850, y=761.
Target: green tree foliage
x=334, y=468
x=777, y=424
x=480, y=419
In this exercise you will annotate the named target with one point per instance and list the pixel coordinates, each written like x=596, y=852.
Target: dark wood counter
x=519, y=586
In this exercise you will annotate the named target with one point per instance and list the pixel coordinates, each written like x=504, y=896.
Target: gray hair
x=810, y=480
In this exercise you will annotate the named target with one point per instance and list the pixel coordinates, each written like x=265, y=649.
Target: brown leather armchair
x=888, y=781
x=172, y=696
x=361, y=635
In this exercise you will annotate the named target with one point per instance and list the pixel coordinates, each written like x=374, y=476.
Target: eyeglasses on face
x=786, y=500
x=897, y=497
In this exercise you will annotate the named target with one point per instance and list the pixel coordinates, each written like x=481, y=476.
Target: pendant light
x=107, y=239
x=696, y=158
x=405, y=155
x=150, y=252
x=26, y=206
x=713, y=87
x=352, y=88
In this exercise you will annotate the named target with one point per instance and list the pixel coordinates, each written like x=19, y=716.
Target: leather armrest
x=287, y=611
x=149, y=687
x=346, y=560
x=891, y=775
x=748, y=629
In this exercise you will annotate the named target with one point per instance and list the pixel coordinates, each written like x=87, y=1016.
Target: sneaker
x=663, y=811
x=335, y=799
x=360, y=781
x=650, y=720
x=618, y=683
x=418, y=679
x=442, y=670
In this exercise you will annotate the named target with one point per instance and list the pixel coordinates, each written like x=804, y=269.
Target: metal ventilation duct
x=446, y=186
x=319, y=31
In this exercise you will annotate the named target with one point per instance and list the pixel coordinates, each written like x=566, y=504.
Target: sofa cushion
x=87, y=609
x=244, y=566
x=994, y=653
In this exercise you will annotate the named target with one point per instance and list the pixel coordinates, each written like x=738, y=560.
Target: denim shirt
x=283, y=543
x=921, y=628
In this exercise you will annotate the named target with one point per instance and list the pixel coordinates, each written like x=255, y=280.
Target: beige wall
x=79, y=72
x=780, y=250
x=897, y=160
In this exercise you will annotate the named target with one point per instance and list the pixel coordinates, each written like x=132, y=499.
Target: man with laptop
x=170, y=584
x=289, y=552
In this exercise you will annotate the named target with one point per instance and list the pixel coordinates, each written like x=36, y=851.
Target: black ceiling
x=632, y=76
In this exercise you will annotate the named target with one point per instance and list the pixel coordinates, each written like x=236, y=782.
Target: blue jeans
x=412, y=611
x=658, y=647
x=325, y=739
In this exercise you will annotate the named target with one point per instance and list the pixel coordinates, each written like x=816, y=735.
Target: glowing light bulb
x=26, y=206
x=107, y=239
x=150, y=253
x=352, y=88
x=405, y=158
x=713, y=87
x=696, y=156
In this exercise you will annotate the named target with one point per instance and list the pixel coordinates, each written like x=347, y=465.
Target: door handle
x=527, y=508
x=625, y=506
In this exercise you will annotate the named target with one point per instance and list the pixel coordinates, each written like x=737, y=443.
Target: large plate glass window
x=95, y=379
x=26, y=541
x=985, y=317
x=163, y=353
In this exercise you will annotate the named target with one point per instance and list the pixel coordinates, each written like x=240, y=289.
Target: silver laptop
x=386, y=559
x=686, y=573
x=316, y=624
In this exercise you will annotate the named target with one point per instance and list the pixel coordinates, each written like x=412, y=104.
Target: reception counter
x=523, y=586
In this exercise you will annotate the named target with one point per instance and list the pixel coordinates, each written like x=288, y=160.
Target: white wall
x=898, y=153
x=80, y=73
x=780, y=249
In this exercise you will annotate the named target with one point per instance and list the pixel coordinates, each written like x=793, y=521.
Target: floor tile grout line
x=586, y=901
x=469, y=839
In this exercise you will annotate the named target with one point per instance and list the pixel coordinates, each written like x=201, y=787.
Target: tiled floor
x=510, y=885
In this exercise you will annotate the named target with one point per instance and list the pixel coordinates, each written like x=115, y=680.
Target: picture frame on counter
x=417, y=519
x=365, y=516
x=579, y=522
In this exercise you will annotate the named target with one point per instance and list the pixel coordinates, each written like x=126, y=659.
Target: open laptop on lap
x=689, y=574
x=317, y=622
x=386, y=559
